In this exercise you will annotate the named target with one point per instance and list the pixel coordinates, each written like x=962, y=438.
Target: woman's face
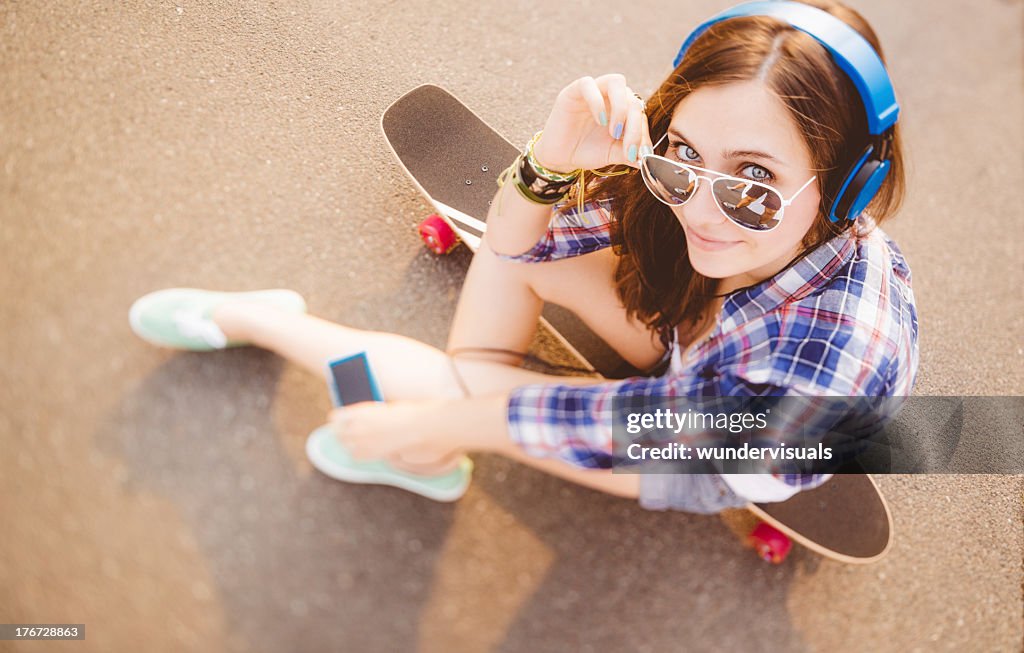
x=744, y=130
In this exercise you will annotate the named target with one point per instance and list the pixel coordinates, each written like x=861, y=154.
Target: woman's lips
x=711, y=245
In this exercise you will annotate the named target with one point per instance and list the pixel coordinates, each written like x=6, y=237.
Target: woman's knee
x=583, y=284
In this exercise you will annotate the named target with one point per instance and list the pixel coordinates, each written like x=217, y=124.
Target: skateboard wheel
x=437, y=235
x=771, y=544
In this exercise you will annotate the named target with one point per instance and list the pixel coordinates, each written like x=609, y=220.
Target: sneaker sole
x=395, y=479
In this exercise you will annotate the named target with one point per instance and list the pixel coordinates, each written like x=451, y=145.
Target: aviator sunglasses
x=750, y=204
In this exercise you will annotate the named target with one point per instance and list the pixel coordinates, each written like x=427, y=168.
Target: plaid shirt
x=841, y=321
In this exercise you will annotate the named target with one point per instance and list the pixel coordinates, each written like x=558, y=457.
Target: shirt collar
x=807, y=275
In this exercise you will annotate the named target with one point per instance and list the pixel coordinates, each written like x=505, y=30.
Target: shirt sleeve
x=569, y=233
x=574, y=423
x=571, y=422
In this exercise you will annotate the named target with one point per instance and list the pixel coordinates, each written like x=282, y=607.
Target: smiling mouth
x=712, y=240
x=708, y=243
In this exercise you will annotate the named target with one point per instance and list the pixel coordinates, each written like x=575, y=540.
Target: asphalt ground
x=164, y=499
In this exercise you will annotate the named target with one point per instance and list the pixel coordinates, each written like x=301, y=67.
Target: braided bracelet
x=546, y=191
x=542, y=172
x=539, y=185
x=579, y=176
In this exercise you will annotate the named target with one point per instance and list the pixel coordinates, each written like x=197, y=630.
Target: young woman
x=670, y=257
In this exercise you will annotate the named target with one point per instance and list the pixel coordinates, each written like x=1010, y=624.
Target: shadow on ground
x=303, y=562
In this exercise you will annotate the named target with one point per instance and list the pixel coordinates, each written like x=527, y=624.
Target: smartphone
x=351, y=381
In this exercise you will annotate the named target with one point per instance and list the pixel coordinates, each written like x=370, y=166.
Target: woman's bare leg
x=501, y=301
x=498, y=308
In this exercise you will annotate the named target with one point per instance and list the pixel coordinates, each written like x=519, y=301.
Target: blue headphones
x=855, y=56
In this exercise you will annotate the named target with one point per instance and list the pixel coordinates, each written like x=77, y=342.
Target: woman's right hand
x=575, y=136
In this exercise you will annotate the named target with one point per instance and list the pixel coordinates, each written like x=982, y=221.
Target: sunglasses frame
x=693, y=170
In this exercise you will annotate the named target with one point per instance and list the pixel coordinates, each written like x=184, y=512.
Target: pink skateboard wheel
x=438, y=235
x=771, y=544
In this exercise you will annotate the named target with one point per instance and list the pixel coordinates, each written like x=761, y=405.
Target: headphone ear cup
x=859, y=187
x=874, y=173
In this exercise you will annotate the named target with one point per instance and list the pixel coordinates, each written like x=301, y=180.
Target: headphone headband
x=851, y=52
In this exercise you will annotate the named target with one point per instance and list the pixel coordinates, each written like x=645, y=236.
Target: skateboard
x=845, y=519
x=453, y=157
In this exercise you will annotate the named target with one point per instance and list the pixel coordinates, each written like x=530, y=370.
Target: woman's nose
x=701, y=209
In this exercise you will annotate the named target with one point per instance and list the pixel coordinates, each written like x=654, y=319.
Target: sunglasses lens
x=670, y=183
x=750, y=205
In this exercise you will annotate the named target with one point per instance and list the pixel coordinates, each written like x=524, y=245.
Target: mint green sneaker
x=180, y=318
x=330, y=457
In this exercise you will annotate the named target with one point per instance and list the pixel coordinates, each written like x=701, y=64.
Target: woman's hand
x=575, y=136
x=409, y=434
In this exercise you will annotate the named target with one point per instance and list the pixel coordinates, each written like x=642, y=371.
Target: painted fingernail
x=618, y=131
x=646, y=150
x=631, y=153
x=604, y=119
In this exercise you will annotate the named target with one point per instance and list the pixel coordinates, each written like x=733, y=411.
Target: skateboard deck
x=454, y=159
x=845, y=519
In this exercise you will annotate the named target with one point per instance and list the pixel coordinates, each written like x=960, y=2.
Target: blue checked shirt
x=839, y=322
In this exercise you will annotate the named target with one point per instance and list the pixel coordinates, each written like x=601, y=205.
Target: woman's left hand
x=411, y=433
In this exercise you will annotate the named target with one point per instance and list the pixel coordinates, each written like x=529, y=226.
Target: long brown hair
x=654, y=278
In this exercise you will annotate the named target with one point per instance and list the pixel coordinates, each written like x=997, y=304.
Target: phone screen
x=352, y=381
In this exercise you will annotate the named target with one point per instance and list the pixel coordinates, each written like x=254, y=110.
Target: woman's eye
x=684, y=152
x=757, y=173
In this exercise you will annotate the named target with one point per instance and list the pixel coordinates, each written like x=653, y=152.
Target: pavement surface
x=164, y=499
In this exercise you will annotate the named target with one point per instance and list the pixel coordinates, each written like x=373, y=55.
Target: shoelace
x=192, y=324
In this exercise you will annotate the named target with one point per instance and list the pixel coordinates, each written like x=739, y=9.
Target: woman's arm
x=518, y=224
x=564, y=428
x=438, y=428
x=425, y=429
